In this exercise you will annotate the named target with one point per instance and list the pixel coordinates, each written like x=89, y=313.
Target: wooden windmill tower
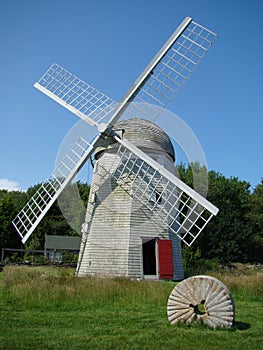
x=121, y=237
x=138, y=211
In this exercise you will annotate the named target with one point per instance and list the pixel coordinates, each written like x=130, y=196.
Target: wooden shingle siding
x=117, y=222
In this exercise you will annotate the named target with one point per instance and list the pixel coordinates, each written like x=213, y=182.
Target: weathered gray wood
x=115, y=220
x=201, y=298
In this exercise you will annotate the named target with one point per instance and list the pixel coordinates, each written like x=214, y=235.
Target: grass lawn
x=49, y=308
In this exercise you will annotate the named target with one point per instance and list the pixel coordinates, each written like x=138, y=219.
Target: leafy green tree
x=255, y=218
x=10, y=204
x=195, y=176
x=53, y=222
x=228, y=235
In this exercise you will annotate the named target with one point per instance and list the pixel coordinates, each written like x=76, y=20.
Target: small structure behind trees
x=57, y=249
x=58, y=246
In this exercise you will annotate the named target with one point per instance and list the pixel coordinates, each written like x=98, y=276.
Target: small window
x=158, y=197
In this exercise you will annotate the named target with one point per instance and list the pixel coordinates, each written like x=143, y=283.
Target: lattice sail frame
x=170, y=201
x=29, y=217
x=156, y=86
x=175, y=68
x=76, y=95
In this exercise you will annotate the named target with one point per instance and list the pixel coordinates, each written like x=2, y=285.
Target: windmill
x=134, y=191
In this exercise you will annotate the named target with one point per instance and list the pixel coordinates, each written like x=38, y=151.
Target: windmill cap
x=143, y=134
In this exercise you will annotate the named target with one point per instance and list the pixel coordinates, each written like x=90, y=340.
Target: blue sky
x=108, y=44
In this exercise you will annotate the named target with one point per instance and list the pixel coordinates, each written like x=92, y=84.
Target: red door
x=165, y=258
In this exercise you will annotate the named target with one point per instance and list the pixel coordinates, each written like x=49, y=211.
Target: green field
x=49, y=308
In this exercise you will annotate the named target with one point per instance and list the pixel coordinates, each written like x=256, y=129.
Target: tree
x=195, y=176
x=228, y=235
x=53, y=222
x=10, y=204
x=255, y=218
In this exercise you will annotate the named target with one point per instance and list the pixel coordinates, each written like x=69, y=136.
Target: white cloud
x=9, y=185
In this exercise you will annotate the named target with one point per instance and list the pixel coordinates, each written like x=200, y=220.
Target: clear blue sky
x=108, y=43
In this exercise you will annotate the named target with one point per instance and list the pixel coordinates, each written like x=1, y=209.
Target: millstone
x=201, y=298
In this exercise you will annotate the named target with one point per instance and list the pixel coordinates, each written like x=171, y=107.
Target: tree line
x=234, y=235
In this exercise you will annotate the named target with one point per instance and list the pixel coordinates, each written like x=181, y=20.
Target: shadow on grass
x=241, y=326
x=238, y=326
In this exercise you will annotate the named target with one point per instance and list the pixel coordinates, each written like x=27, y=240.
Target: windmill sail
x=175, y=68
x=76, y=95
x=33, y=212
x=168, y=71
x=155, y=87
x=183, y=210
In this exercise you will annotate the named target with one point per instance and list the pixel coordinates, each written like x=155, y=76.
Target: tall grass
x=50, y=308
x=243, y=283
x=47, y=287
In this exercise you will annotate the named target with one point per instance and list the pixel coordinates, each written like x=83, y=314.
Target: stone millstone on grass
x=204, y=299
